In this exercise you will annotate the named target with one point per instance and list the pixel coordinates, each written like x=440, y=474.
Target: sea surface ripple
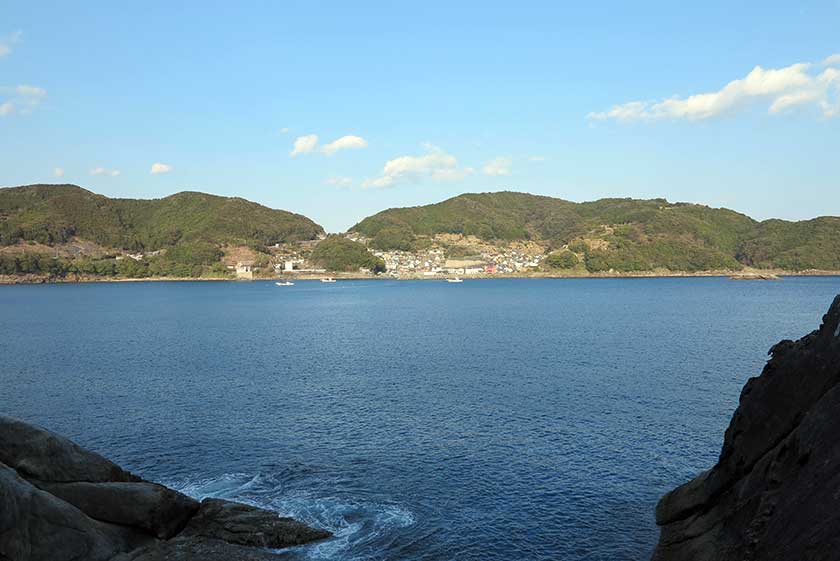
x=490, y=420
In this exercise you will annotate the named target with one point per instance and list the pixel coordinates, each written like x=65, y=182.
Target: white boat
x=327, y=279
x=456, y=279
x=287, y=283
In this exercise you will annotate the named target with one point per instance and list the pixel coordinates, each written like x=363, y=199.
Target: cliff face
x=60, y=502
x=775, y=491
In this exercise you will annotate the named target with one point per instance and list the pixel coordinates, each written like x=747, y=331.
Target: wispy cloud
x=158, y=168
x=497, y=167
x=22, y=99
x=8, y=41
x=436, y=165
x=304, y=145
x=284, y=130
x=536, y=159
x=349, y=142
x=105, y=171
x=833, y=60
x=58, y=172
x=339, y=181
x=308, y=144
x=801, y=84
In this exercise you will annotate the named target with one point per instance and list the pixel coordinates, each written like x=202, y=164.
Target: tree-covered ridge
x=794, y=246
x=618, y=234
x=54, y=214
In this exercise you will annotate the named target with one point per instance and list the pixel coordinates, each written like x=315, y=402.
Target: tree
x=563, y=259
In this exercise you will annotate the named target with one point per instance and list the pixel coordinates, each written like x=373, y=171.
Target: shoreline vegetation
x=756, y=275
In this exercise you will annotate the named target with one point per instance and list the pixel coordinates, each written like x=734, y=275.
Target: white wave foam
x=357, y=525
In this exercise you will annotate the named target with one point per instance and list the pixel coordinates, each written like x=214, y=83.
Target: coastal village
x=433, y=262
x=474, y=259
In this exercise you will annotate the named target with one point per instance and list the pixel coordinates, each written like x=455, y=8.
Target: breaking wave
x=361, y=528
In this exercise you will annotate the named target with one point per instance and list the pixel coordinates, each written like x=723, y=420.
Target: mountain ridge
x=631, y=234
x=191, y=233
x=52, y=213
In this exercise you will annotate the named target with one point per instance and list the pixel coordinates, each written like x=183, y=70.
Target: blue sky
x=426, y=100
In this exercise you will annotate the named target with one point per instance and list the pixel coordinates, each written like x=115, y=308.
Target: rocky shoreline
x=60, y=502
x=775, y=491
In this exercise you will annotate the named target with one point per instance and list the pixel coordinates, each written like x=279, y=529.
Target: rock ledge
x=60, y=502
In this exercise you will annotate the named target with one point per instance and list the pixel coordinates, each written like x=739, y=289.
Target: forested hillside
x=618, y=234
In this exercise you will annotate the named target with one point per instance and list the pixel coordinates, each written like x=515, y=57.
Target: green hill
x=619, y=234
x=52, y=214
x=190, y=228
x=794, y=246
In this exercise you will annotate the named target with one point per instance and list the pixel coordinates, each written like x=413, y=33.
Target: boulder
x=773, y=493
x=248, y=525
x=37, y=526
x=60, y=502
x=153, y=508
x=197, y=549
x=37, y=453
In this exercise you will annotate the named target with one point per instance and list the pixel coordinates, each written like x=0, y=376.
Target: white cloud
x=304, y=145
x=339, y=181
x=783, y=88
x=105, y=171
x=833, y=60
x=7, y=41
x=349, y=142
x=58, y=172
x=497, y=167
x=22, y=99
x=436, y=165
x=309, y=144
x=284, y=130
x=796, y=98
x=158, y=168
x=536, y=159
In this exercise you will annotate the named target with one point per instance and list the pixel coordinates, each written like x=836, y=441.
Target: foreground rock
x=775, y=491
x=60, y=502
x=245, y=525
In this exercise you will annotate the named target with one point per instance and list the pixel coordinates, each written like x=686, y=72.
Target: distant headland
x=61, y=233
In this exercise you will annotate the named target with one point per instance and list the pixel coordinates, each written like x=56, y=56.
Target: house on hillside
x=245, y=270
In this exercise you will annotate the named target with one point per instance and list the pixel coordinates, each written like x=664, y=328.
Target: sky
x=338, y=110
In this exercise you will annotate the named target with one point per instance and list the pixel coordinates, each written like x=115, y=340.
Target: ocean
x=509, y=420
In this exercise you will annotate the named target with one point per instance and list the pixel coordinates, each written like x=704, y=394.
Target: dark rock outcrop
x=242, y=524
x=197, y=549
x=153, y=508
x=36, y=453
x=61, y=502
x=36, y=525
x=775, y=492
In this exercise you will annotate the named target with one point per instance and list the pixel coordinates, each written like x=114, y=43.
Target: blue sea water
x=491, y=420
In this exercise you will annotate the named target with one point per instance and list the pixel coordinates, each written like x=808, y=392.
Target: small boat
x=456, y=279
x=287, y=283
x=327, y=279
